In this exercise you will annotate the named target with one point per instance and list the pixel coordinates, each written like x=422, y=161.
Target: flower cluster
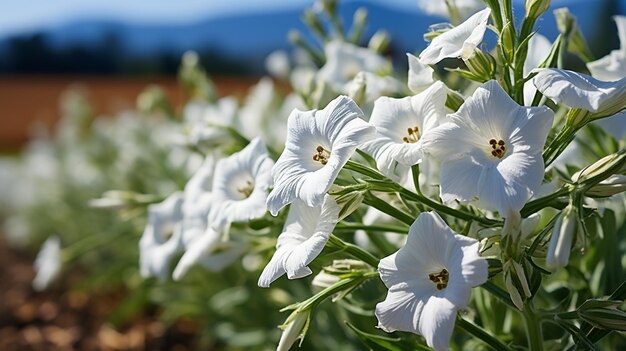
x=470, y=183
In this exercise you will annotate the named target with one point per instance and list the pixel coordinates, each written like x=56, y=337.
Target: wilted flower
x=240, y=185
x=400, y=125
x=429, y=279
x=47, y=263
x=319, y=143
x=304, y=235
x=461, y=41
x=491, y=149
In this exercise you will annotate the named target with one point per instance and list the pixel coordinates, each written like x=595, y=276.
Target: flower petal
x=436, y=322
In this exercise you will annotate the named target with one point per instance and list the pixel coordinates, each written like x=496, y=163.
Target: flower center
x=498, y=148
x=322, y=155
x=440, y=279
x=414, y=135
x=247, y=189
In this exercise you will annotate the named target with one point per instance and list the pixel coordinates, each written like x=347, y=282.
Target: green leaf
x=378, y=342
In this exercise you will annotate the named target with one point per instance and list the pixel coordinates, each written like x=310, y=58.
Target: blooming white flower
x=277, y=64
x=429, y=279
x=612, y=66
x=465, y=8
x=400, y=125
x=206, y=122
x=345, y=60
x=209, y=251
x=162, y=236
x=240, y=185
x=304, y=235
x=420, y=76
x=461, y=41
x=319, y=143
x=259, y=107
x=198, y=200
x=578, y=90
x=47, y=263
x=491, y=149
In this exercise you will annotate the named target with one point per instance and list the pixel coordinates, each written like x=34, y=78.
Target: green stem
x=447, y=210
x=498, y=292
x=353, y=250
x=543, y=202
x=533, y=327
x=353, y=166
x=372, y=228
x=491, y=341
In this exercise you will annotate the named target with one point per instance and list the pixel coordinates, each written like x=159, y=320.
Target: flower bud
x=481, y=64
x=535, y=8
x=323, y=280
x=295, y=328
x=328, y=6
x=560, y=246
x=358, y=88
x=603, y=314
x=603, y=177
x=379, y=41
x=507, y=41
x=612, y=185
x=310, y=18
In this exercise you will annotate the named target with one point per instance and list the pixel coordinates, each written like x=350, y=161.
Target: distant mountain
x=243, y=40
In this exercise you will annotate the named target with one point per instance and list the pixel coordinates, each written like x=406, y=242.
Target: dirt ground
x=26, y=99
x=60, y=320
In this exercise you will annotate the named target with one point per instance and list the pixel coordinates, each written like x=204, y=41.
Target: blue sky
x=26, y=15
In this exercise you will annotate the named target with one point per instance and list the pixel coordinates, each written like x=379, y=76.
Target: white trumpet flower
x=429, y=279
x=304, y=235
x=319, y=143
x=400, y=125
x=461, y=41
x=161, y=238
x=491, y=149
x=47, y=263
x=240, y=185
x=578, y=90
x=345, y=60
x=612, y=66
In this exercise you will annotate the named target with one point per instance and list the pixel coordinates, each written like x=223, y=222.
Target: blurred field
x=25, y=100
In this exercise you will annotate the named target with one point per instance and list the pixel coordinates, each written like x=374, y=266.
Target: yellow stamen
x=247, y=189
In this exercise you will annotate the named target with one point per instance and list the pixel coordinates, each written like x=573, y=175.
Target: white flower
x=240, y=185
x=612, y=66
x=465, y=8
x=491, y=149
x=259, y=107
x=209, y=251
x=198, y=201
x=344, y=61
x=206, y=122
x=461, y=41
x=400, y=125
x=429, y=279
x=47, y=263
x=420, y=76
x=162, y=236
x=295, y=328
x=319, y=143
x=277, y=64
x=367, y=86
x=304, y=235
x=578, y=90
x=538, y=50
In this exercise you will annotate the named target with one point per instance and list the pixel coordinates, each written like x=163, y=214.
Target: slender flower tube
x=47, y=263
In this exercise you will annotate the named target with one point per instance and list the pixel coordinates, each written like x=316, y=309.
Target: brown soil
x=25, y=99
x=64, y=319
